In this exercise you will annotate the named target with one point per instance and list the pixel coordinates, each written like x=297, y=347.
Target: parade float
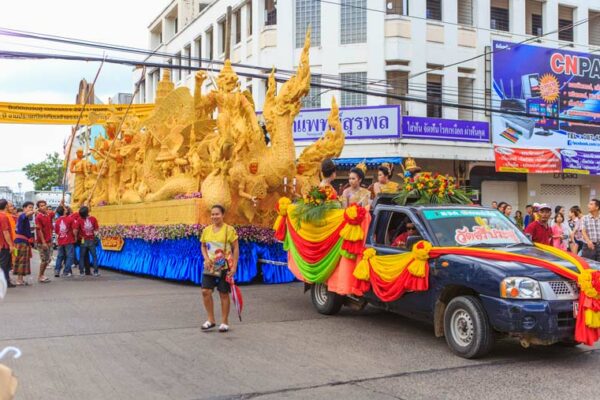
x=155, y=178
x=467, y=270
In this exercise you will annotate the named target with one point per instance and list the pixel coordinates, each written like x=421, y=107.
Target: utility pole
x=228, y=34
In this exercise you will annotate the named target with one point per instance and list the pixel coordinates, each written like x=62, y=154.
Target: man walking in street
x=66, y=240
x=540, y=231
x=591, y=231
x=87, y=226
x=43, y=233
x=6, y=243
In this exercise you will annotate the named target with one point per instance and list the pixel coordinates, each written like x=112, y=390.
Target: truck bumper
x=541, y=321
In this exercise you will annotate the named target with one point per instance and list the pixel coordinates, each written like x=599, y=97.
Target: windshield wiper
x=480, y=244
x=508, y=246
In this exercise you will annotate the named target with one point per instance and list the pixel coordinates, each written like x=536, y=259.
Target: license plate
x=575, y=309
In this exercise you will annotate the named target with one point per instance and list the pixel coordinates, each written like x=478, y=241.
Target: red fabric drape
x=390, y=291
x=314, y=252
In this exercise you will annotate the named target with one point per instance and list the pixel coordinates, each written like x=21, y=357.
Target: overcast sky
x=121, y=22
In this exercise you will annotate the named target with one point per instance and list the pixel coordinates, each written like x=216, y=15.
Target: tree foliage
x=47, y=173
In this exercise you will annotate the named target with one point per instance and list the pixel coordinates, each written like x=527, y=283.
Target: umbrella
x=236, y=295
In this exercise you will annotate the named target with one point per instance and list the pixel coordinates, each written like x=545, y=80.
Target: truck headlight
x=520, y=288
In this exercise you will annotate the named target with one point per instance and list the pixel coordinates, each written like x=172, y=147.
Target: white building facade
x=414, y=48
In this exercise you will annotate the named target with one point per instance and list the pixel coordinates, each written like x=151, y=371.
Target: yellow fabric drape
x=389, y=267
x=318, y=233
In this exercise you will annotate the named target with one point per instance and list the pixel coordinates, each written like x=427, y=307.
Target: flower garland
x=432, y=189
x=195, y=195
x=157, y=233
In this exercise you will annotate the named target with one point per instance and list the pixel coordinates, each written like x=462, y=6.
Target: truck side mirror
x=412, y=240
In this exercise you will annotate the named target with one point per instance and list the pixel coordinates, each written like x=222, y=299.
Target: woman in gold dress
x=356, y=194
x=384, y=184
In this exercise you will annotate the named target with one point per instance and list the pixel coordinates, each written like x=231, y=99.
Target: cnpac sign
x=376, y=122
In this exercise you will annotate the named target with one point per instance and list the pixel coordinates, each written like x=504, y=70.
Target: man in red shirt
x=540, y=231
x=6, y=243
x=66, y=232
x=43, y=234
x=400, y=240
x=87, y=226
x=77, y=245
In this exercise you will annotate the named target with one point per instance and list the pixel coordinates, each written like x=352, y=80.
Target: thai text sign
x=67, y=114
x=112, y=243
x=445, y=129
x=555, y=91
x=580, y=162
x=377, y=122
x=541, y=161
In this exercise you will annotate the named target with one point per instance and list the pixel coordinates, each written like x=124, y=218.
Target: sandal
x=223, y=328
x=208, y=325
x=43, y=280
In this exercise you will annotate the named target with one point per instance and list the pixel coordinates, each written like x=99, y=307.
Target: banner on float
x=67, y=114
x=537, y=161
x=557, y=90
x=445, y=129
x=369, y=122
x=580, y=162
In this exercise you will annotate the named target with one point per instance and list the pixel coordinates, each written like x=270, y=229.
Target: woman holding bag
x=220, y=250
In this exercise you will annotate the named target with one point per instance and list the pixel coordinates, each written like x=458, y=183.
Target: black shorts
x=210, y=282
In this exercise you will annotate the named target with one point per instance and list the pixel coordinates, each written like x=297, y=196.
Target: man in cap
x=539, y=230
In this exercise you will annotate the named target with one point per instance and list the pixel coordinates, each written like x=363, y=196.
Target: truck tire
x=325, y=302
x=466, y=327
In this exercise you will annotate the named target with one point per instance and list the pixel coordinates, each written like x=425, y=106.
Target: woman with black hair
x=384, y=184
x=356, y=194
x=328, y=171
x=220, y=250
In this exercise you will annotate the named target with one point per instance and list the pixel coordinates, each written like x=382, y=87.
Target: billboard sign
x=556, y=90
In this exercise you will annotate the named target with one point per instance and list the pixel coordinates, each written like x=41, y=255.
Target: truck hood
x=526, y=270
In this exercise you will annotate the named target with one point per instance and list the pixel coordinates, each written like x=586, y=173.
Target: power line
x=20, y=55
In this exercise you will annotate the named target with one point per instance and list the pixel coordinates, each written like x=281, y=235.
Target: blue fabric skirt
x=181, y=260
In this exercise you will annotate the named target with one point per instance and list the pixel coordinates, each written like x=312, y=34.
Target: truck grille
x=562, y=288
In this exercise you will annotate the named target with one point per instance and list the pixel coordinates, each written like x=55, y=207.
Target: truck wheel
x=466, y=327
x=325, y=302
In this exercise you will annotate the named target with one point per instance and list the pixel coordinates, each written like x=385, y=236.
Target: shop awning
x=372, y=162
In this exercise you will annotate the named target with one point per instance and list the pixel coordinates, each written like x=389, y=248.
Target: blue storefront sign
x=372, y=122
x=445, y=129
x=580, y=162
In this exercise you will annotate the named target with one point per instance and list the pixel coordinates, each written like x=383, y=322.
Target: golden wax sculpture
x=210, y=143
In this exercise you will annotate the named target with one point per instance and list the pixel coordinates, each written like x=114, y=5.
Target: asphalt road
x=125, y=337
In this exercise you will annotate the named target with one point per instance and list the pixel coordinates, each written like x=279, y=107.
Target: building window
x=396, y=7
x=187, y=56
x=354, y=21
x=176, y=25
x=308, y=13
x=270, y=12
x=565, y=23
x=209, y=44
x=434, y=9
x=397, y=82
x=499, y=18
x=357, y=81
x=434, y=96
x=237, y=17
x=313, y=98
x=222, y=36
x=594, y=28
x=534, y=22
x=465, y=12
x=177, y=63
x=465, y=98
x=198, y=49
x=249, y=17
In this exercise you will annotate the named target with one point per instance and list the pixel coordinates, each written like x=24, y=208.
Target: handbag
x=222, y=264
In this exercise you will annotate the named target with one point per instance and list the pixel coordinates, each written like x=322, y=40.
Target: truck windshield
x=473, y=227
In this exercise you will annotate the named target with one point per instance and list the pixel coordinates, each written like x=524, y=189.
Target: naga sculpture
x=213, y=143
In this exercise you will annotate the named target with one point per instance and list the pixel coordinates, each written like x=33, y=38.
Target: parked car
x=467, y=301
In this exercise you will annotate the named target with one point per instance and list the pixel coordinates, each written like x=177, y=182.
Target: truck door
x=389, y=233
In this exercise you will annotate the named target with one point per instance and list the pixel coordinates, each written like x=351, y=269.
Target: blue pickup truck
x=471, y=301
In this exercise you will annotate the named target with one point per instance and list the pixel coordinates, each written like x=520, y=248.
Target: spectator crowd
x=36, y=226
x=571, y=231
